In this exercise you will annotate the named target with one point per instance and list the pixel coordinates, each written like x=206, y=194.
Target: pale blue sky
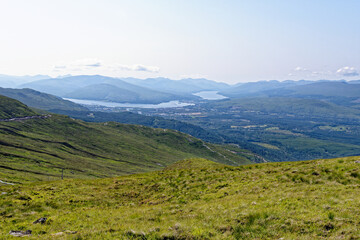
x=230, y=41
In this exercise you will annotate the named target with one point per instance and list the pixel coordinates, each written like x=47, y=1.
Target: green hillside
x=296, y=200
x=282, y=129
x=10, y=108
x=38, y=149
x=310, y=107
x=149, y=121
x=41, y=147
x=40, y=100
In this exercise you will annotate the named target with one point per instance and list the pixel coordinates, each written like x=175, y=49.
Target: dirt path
x=6, y=183
x=25, y=118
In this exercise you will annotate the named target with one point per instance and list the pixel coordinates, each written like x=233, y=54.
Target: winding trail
x=7, y=183
x=25, y=118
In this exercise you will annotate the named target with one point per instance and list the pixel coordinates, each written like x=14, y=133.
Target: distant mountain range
x=339, y=92
x=157, y=90
x=122, y=90
x=9, y=81
x=188, y=85
x=102, y=88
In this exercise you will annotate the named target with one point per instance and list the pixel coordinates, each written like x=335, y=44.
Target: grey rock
x=40, y=220
x=20, y=233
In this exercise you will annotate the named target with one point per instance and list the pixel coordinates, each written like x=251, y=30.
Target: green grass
x=38, y=149
x=195, y=199
x=311, y=107
x=10, y=108
x=266, y=145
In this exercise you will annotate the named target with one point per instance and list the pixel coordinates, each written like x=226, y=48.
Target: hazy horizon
x=225, y=41
x=23, y=77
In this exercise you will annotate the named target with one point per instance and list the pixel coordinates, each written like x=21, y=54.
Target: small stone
x=40, y=220
x=177, y=226
x=70, y=232
x=20, y=233
x=253, y=203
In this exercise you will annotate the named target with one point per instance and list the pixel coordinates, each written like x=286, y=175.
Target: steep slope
x=40, y=148
x=10, y=108
x=298, y=200
x=40, y=100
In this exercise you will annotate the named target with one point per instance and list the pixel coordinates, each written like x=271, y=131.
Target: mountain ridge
x=40, y=100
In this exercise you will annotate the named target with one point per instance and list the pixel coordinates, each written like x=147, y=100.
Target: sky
x=223, y=40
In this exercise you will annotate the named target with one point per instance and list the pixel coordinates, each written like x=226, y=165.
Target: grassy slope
x=149, y=121
x=37, y=149
x=10, y=108
x=195, y=199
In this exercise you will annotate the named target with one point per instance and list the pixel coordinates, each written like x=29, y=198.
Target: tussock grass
x=195, y=199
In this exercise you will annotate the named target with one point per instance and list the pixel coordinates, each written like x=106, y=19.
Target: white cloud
x=348, y=72
x=136, y=67
x=324, y=73
x=300, y=69
x=84, y=65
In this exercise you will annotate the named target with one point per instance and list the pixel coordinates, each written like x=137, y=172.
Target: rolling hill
x=149, y=121
x=257, y=88
x=282, y=129
x=182, y=86
x=40, y=100
x=39, y=148
x=326, y=89
x=287, y=105
x=10, y=108
x=194, y=199
x=339, y=92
